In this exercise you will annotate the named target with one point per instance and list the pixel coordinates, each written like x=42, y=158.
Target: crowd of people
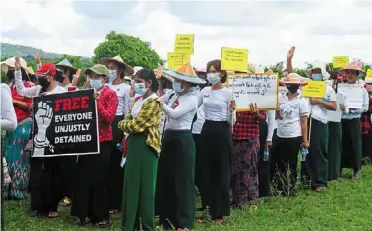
x=181, y=135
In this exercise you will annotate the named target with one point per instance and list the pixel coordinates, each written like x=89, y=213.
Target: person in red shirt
x=366, y=124
x=244, y=159
x=18, y=160
x=90, y=196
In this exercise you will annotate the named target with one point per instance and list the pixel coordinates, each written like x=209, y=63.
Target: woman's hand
x=314, y=101
x=306, y=144
x=233, y=105
x=37, y=57
x=291, y=52
x=96, y=95
x=268, y=144
x=254, y=109
x=17, y=64
x=342, y=107
x=76, y=78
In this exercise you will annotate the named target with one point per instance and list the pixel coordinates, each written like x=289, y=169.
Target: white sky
x=318, y=29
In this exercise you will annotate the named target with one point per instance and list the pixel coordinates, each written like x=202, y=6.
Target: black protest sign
x=65, y=124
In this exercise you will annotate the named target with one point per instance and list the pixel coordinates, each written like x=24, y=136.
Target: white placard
x=254, y=88
x=335, y=116
x=354, y=94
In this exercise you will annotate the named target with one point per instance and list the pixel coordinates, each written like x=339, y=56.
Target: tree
x=132, y=50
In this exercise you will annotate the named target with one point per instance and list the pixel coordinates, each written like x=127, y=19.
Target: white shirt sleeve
x=185, y=107
x=22, y=90
x=200, y=97
x=304, y=108
x=127, y=102
x=8, y=115
x=365, y=101
x=271, y=124
x=332, y=94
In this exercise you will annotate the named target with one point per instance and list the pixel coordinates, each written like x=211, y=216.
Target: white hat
x=10, y=63
x=322, y=66
x=136, y=69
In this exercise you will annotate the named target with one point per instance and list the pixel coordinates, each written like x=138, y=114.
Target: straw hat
x=318, y=65
x=66, y=63
x=293, y=78
x=10, y=63
x=30, y=71
x=185, y=73
x=117, y=59
x=159, y=73
x=136, y=69
x=352, y=67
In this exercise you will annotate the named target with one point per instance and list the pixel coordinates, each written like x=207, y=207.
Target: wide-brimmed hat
x=201, y=70
x=352, y=67
x=10, y=63
x=136, y=69
x=318, y=65
x=67, y=64
x=159, y=73
x=30, y=71
x=185, y=73
x=98, y=69
x=127, y=69
x=293, y=78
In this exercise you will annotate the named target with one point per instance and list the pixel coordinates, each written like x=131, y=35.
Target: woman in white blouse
x=176, y=187
x=216, y=143
x=117, y=70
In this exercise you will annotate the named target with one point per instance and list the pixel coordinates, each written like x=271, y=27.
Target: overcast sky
x=318, y=29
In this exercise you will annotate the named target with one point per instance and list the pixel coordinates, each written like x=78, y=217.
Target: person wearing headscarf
x=142, y=153
x=117, y=70
x=17, y=158
x=291, y=132
x=44, y=185
x=216, y=143
x=90, y=199
x=366, y=124
x=176, y=186
x=351, y=130
x=316, y=164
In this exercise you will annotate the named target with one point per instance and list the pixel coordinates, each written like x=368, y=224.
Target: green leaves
x=134, y=51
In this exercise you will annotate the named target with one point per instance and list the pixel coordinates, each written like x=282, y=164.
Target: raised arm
x=21, y=89
x=289, y=59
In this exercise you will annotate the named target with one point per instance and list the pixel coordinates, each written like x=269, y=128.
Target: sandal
x=219, y=221
x=52, y=214
x=200, y=220
x=320, y=189
x=355, y=176
x=65, y=202
x=102, y=224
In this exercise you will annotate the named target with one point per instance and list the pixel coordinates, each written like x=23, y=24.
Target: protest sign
x=354, y=94
x=184, y=44
x=234, y=59
x=65, y=124
x=335, y=116
x=340, y=61
x=314, y=89
x=176, y=60
x=369, y=73
x=254, y=88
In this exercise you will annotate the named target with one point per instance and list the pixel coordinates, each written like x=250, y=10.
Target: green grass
x=346, y=205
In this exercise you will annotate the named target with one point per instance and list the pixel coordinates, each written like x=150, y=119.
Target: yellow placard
x=369, y=73
x=184, y=44
x=234, y=59
x=340, y=61
x=314, y=89
x=176, y=60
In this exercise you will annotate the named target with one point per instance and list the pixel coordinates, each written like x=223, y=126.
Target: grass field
x=346, y=205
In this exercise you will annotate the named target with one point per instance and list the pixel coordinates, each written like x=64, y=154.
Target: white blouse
x=122, y=91
x=8, y=115
x=216, y=103
x=180, y=113
x=198, y=125
x=138, y=104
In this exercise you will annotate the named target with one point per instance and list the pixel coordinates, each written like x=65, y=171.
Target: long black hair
x=149, y=75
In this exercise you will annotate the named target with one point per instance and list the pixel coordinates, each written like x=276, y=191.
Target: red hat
x=46, y=68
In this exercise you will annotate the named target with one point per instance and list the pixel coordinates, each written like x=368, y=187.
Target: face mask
x=213, y=78
x=140, y=88
x=317, y=77
x=59, y=77
x=293, y=88
x=96, y=84
x=112, y=75
x=177, y=87
x=43, y=81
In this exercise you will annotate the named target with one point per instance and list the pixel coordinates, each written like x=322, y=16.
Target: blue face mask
x=112, y=76
x=96, y=84
x=317, y=77
x=213, y=78
x=140, y=88
x=177, y=87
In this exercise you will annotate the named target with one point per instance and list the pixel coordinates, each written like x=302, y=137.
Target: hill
x=9, y=50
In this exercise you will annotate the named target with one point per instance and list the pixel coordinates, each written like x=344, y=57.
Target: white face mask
x=112, y=75
x=213, y=78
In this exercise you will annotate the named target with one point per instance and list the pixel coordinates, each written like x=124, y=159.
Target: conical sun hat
x=66, y=63
x=127, y=69
x=293, y=78
x=352, y=67
x=318, y=65
x=185, y=73
x=10, y=63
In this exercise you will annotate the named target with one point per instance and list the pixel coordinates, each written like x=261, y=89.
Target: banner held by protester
x=65, y=124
